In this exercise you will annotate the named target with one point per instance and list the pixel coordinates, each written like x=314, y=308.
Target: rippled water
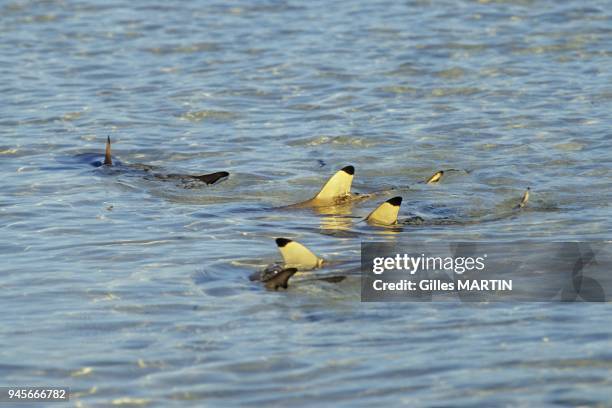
x=134, y=291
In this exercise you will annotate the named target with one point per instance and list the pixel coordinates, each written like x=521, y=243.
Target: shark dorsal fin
x=436, y=177
x=386, y=213
x=108, y=161
x=280, y=279
x=338, y=185
x=212, y=178
x=297, y=255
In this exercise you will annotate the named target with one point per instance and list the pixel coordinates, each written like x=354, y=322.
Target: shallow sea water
x=133, y=291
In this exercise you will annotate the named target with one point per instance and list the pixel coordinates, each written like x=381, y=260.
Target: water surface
x=134, y=291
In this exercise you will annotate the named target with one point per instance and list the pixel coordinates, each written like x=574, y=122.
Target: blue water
x=134, y=291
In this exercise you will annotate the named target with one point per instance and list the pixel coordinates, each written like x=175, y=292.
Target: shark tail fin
x=386, y=213
x=436, y=177
x=212, y=178
x=280, y=279
x=338, y=185
x=108, y=161
x=297, y=255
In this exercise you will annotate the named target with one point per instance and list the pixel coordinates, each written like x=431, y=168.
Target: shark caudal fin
x=524, y=199
x=108, y=161
x=386, y=213
x=280, y=279
x=297, y=255
x=212, y=178
x=436, y=177
x=338, y=185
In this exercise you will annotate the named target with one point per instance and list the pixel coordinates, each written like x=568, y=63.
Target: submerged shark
x=153, y=171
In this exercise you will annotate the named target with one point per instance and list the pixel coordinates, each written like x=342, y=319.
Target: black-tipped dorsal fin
x=280, y=279
x=108, y=161
x=212, y=177
x=338, y=185
x=386, y=213
x=436, y=177
x=297, y=255
x=348, y=170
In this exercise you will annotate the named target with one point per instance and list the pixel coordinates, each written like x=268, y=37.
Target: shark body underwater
x=153, y=171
